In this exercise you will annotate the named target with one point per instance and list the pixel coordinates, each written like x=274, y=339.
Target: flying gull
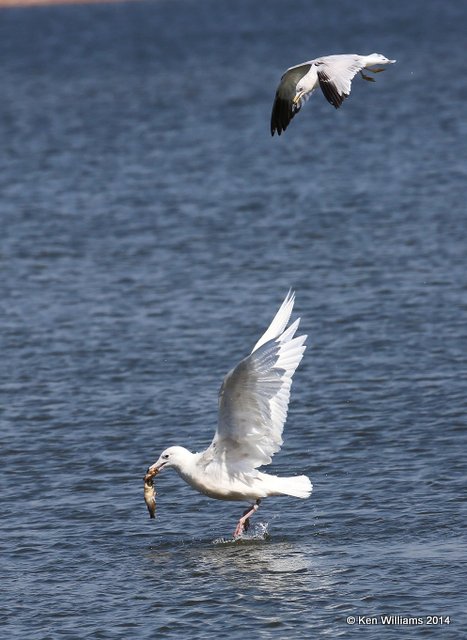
x=253, y=403
x=333, y=74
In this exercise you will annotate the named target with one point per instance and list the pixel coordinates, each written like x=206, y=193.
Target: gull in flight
x=333, y=74
x=253, y=403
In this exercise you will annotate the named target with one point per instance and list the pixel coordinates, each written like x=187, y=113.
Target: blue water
x=150, y=227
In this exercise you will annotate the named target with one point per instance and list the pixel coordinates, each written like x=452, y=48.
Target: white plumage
x=253, y=404
x=333, y=74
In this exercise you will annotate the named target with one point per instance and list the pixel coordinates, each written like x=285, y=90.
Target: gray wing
x=335, y=75
x=283, y=109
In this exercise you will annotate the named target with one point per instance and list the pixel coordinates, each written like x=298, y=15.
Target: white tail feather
x=296, y=486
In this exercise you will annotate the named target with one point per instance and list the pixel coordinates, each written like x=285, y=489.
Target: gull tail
x=296, y=486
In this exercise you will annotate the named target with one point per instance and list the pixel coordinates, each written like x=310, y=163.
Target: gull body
x=253, y=403
x=333, y=74
x=213, y=478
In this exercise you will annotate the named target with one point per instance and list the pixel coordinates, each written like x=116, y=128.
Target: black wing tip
x=281, y=116
x=279, y=121
x=276, y=128
x=329, y=90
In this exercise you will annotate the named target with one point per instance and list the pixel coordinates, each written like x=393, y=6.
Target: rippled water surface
x=150, y=227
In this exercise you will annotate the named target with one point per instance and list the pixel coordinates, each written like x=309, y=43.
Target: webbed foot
x=367, y=78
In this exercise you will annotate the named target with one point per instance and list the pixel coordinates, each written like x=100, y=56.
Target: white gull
x=253, y=403
x=333, y=74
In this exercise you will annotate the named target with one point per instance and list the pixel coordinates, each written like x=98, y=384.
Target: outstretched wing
x=283, y=108
x=335, y=75
x=254, y=396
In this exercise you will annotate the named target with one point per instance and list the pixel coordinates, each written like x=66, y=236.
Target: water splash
x=257, y=533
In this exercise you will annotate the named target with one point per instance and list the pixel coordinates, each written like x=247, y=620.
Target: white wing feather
x=279, y=321
x=254, y=397
x=341, y=69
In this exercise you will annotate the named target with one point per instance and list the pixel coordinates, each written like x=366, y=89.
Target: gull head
x=171, y=457
x=377, y=58
x=299, y=92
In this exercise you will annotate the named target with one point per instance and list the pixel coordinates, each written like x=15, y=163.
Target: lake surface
x=150, y=228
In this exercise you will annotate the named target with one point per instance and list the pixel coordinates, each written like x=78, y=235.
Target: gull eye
x=165, y=456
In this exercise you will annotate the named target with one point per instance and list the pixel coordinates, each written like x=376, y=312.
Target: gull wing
x=283, y=108
x=254, y=397
x=335, y=75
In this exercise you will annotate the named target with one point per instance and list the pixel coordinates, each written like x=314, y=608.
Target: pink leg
x=243, y=522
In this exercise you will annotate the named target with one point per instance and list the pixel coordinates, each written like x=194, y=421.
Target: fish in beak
x=150, y=496
x=150, y=491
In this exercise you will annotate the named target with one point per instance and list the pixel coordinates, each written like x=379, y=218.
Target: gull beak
x=297, y=98
x=152, y=472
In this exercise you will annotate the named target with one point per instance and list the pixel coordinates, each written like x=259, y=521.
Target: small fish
x=150, y=493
